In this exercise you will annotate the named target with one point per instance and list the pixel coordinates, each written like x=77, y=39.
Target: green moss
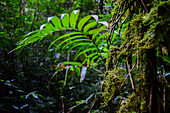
x=112, y=84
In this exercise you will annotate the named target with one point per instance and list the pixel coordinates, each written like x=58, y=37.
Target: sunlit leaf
x=79, y=44
x=88, y=26
x=76, y=41
x=66, y=35
x=96, y=32
x=65, y=20
x=70, y=38
x=89, y=49
x=73, y=18
x=72, y=63
x=57, y=23
x=82, y=22
x=100, y=37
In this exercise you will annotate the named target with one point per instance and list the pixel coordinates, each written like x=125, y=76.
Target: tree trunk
x=151, y=79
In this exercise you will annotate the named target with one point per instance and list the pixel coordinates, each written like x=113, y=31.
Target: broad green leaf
x=94, y=58
x=70, y=38
x=101, y=36
x=73, y=18
x=105, y=55
x=166, y=59
x=77, y=41
x=92, y=54
x=89, y=56
x=50, y=27
x=79, y=44
x=98, y=60
x=81, y=48
x=80, y=102
x=78, y=70
x=32, y=38
x=66, y=35
x=45, y=31
x=28, y=34
x=82, y=22
x=57, y=23
x=88, y=26
x=103, y=42
x=47, y=28
x=95, y=32
x=89, y=49
x=65, y=20
x=72, y=63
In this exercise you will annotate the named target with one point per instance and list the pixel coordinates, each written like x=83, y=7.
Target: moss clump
x=112, y=84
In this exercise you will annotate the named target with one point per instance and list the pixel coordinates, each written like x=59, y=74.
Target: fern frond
x=77, y=39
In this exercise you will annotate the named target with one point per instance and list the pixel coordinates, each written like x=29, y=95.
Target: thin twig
x=144, y=6
x=92, y=105
x=164, y=89
x=164, y=98
x=127, y=76
x=130, y=74
x=62, y=103
x=122, y=24
x=150, y=102
x=114, y=24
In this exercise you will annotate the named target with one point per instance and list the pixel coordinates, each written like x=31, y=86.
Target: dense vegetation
x=80, y=56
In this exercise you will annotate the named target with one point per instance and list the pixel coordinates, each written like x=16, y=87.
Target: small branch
x=127, y=76
x=150, y=101
x=114, y=24
x=164, y=100
x=144, y=6
x=130, y=74
x=92, y=105
x=164, y=89
x=122, y=24
x=62, y=103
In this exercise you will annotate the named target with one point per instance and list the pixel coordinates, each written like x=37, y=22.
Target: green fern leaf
x=72, y=63
x=82, y=22
x=90, y=56
x=100, y=37
x=79, y=44
x=88, y=26
x=105, y=55
x=57, y=23
x=65, y=20
x=96, y=32
x=71, y=38
x=89, y=49
x=101, y=43
x=66, y=35
x=76, y=41
x=73, y=18
x=94, y=58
